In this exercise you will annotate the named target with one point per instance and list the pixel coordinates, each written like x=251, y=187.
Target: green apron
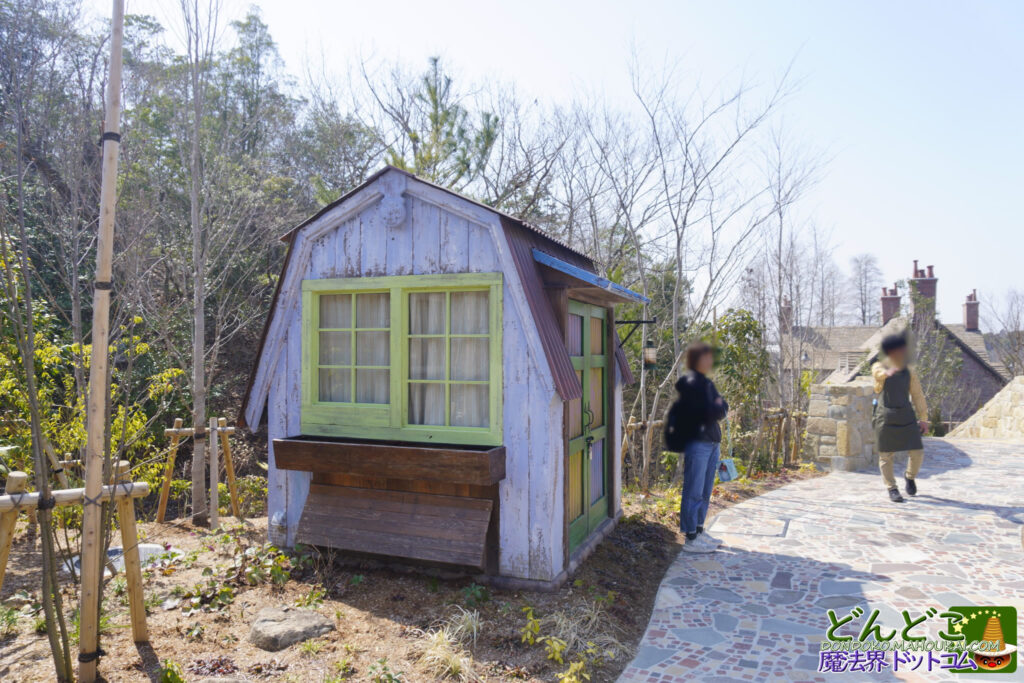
x=894, y=420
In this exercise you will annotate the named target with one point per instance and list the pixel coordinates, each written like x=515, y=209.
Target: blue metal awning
x=588, y=279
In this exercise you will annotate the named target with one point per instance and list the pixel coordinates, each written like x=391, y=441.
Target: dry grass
x=443, y=656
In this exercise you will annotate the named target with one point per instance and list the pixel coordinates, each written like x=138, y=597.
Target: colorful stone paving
x=756, y=609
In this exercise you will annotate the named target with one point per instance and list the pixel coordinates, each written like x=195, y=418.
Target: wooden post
x=165, y=490
x=229, y=466
x=132, y=564
x=214, y=475
x=92, y=544
x=16, y=482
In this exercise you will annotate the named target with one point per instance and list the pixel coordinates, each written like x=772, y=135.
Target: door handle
x=589, y=415
x=590, y=449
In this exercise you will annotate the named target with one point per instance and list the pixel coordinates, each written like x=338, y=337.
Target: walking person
x=901, y=414
x=691, y=428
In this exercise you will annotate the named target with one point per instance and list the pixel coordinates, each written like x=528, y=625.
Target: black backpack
x=679, y=425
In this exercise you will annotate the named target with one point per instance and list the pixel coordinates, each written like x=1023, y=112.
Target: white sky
x=919, y=105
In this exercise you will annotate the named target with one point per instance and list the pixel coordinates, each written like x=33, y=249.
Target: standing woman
x=692, y=427
x=901, y=414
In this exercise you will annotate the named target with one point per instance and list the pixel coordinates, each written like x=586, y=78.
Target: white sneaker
x=710, y=540
x=698, y=545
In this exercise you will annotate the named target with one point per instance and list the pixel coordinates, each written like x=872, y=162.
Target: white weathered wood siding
x=439, y=234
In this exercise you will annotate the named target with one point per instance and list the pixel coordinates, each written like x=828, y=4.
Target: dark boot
x=894, y=496
x=911, y=486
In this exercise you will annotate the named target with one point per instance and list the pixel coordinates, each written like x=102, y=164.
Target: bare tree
x=1006, y=319
x=865, y=280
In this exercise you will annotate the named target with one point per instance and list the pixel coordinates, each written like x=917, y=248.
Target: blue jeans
x=700, y=466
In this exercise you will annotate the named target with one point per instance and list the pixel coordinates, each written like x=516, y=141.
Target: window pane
x=574, y=335
x=426, y=313
x=597, y=396
x=470, y=358
x=575, y=486
x=469, y=313
x=470, y=405
x=373, y=310
x=596, y=336
x=336, y=310
x=373, y=348
x=426, y=404
x=336, y=385
x=576, y=412
x=372, y=386
x=335, y=348
x=426, y=358
x=597, y=471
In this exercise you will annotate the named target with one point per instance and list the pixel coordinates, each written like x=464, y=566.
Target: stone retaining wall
x=839, y=433
x=1001, y=418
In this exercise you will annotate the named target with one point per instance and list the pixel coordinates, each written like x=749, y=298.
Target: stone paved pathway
x=756, y=609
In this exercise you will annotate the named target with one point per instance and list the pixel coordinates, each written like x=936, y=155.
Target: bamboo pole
x=132, y=565
x=165, y=490
x=229, y=466
x=92, y=543
x=214, y=476
x=65, y=497
x=16, y=482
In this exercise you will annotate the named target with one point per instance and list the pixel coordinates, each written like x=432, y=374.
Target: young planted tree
x=201, y=22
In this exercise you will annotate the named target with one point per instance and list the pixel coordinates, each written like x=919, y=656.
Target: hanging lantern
x=650, y=355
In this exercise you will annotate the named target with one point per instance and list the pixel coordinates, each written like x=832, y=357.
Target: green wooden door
x=587, y=340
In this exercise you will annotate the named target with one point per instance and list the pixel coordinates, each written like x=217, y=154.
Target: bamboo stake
x=132, y=564
x=16, y=482
x=165, y=490
x=229, y=466
x=214, y=476
x=92, y=544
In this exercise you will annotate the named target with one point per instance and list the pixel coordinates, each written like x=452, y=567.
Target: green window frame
x=346, y=417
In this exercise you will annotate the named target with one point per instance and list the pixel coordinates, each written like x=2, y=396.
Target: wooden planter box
x=397, y=499
x=391, y=460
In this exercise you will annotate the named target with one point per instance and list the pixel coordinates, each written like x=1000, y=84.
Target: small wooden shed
x=441, y=383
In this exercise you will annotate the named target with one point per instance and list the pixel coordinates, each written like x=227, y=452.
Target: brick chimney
x=786, y=317
x=924, y=284
x=971, y=311
x=890, y=304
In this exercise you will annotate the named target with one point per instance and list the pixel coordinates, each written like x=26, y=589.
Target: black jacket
x=696, y=412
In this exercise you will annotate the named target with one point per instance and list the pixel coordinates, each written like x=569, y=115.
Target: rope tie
x=46, y=503
x=86, y=657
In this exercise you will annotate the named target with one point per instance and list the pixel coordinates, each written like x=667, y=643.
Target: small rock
x=276, y=628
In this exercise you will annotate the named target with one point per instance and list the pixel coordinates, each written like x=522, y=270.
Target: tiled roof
x=974, y=342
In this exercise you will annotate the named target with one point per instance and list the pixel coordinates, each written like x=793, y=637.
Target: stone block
x=821, y=425
x=828, y=441
x=843, y=438
x=828, y=452
x=817, y=408
x=837, y=412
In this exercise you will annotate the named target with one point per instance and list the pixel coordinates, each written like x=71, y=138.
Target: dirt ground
x=391, y=625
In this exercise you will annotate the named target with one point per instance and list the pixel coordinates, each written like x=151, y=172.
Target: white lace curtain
x=361, y=345
x=447, y=342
